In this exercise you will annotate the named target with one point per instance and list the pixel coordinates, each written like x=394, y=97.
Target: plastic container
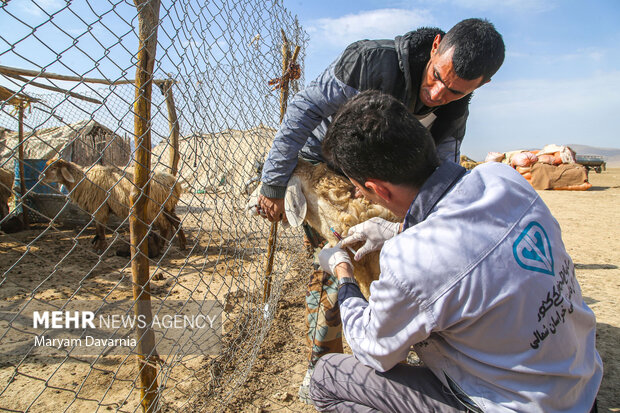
x=34, y=188
x=32, y=170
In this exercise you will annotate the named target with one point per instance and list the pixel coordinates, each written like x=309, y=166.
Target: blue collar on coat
x=435, y=187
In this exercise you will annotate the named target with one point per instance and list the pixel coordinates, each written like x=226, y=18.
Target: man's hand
x=374, y=232
x=271, y=208
x=330, y=258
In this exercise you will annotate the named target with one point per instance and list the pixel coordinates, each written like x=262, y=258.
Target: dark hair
x=478, y=49
x=374, y=136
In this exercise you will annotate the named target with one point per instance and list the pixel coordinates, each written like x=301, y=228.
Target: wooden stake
x=273, y=235
x=15, y=98
x=55, y=89
x=286, y=57
x=173, y=123
x=6, y=70
x=20, y=155
x=148, y=17
x=273, y=231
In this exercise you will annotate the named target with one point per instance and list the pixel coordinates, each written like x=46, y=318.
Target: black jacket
x=393, y=66
x=397, y=67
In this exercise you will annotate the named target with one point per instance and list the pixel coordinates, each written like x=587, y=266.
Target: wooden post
x=273, y=231
x=55, y=89
x=286, y=57
x=5, y=70
x=173, y=123
x=148, y=17
x=20, y=155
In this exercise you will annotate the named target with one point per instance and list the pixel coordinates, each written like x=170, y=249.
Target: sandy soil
x=590, y=223
x=223, y=262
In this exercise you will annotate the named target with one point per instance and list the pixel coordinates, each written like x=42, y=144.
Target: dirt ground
x=223, y=262
x=58, y=263
x=590, y=224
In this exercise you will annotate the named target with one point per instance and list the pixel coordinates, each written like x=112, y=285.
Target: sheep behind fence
x=101, y=190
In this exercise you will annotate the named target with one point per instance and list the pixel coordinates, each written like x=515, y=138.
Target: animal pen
x=136, y=92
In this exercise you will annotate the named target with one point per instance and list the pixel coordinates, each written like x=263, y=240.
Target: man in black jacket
x=431, y=72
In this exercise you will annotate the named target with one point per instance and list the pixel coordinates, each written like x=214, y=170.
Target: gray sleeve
x=305, y=112
x=381, y=331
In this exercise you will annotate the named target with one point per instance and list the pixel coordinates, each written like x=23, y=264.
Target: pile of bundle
x=552, y=167
x=468, y=163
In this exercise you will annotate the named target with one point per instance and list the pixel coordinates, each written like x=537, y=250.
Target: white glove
x=374, y=232
x=329, y=258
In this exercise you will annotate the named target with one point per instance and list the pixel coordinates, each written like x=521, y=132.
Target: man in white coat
x=476, y=280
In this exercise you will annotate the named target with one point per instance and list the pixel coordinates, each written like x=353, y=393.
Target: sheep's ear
x=295, y=205
x=67, y=175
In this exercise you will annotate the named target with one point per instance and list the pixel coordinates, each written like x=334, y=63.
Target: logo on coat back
x=532, y=249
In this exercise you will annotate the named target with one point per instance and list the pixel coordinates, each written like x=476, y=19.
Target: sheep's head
x=57, y=170
x=331, y=203
x=325, y=200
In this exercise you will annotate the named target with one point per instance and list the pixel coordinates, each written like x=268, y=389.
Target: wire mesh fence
x=73, y=135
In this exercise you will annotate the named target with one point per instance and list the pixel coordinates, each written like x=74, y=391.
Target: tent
x=85, y=143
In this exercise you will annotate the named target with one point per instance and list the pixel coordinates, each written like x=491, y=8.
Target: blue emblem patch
x=532, y=249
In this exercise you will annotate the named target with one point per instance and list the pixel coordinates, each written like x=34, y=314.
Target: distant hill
x=611, y=155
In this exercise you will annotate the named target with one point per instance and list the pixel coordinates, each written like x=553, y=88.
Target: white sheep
x=101, y=190
x=329, y=201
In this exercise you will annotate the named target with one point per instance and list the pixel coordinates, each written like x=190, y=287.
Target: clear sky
x=558, y=82
x=557, y=85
